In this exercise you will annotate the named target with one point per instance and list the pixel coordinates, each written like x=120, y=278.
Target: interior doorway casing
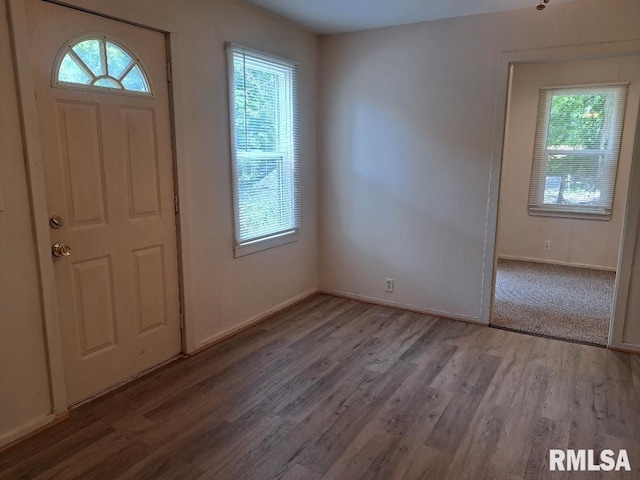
x=35, y=174
x=632, y=212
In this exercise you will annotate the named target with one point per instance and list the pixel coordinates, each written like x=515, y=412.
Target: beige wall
x=406, y=130
x=24, y=386
x=222, y=293
x=573, y=241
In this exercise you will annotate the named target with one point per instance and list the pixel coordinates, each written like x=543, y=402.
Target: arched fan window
x=100, y=63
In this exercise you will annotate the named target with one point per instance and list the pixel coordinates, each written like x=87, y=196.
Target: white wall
x=24, y=386
x=222, y=293
x=406, y=130
x=574, y=241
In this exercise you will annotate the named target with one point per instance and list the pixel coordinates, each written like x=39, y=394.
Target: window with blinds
x=577, y=146
x=264, y=150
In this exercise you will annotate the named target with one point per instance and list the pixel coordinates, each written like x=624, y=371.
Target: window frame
x=537, y=180
x=241, y=246
x=72, y=42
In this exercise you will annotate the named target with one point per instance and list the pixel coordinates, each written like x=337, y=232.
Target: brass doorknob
x=61, y=250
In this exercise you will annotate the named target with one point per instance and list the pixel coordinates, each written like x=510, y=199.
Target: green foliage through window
x=98, y=62
x=577, y=148
x=263, y=136
x=578, y=121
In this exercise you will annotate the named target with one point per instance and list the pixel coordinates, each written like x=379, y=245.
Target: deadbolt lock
x=56, y=222
x=61, y=250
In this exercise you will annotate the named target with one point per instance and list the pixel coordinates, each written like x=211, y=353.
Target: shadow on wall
x=400, y=204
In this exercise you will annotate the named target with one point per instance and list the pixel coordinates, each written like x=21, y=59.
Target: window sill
x=581, y=215
x=264, y=244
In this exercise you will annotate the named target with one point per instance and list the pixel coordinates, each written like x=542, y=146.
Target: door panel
x=82, y=162
x=109, y=175
x=142, y=161
x=94, y=305
x=150, y=286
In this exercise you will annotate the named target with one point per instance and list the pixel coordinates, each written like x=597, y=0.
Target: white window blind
x=264, y=149
x=577, y=146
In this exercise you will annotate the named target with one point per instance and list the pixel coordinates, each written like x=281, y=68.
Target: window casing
x=576, y=153
x=264, y=150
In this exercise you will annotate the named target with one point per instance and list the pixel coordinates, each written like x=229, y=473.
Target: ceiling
x=337, y=16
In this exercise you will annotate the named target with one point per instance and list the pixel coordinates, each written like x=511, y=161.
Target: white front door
x=103, y=109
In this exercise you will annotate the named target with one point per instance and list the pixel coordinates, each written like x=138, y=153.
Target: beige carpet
x=553, y=300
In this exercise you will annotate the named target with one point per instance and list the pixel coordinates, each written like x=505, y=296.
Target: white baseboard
x=210, y=341
x=26, y=429
x=556, y=262
x=405, y=306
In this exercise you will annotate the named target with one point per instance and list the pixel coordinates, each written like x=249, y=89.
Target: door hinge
x=169, y=75
x=182, y=321
x=176, y=204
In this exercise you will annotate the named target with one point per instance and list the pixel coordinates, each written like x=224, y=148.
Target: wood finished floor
x=337, y=389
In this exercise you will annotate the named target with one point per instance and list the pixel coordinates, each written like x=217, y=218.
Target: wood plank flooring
x=337, y=389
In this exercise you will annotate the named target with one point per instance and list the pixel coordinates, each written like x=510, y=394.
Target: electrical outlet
x=547, y=245
x=388, y=285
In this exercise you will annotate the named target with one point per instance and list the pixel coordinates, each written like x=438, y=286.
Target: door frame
x=19, y=34
x=632, y=209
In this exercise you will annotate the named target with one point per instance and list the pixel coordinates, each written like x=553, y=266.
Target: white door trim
x=121, y=13
x=632, y=212
x=37, y=192
x=38, y=197
x=628, y=246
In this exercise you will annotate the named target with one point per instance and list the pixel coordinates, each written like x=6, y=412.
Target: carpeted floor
x=554, y=300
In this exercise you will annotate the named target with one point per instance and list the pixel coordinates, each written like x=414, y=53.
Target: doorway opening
x=563, y=195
